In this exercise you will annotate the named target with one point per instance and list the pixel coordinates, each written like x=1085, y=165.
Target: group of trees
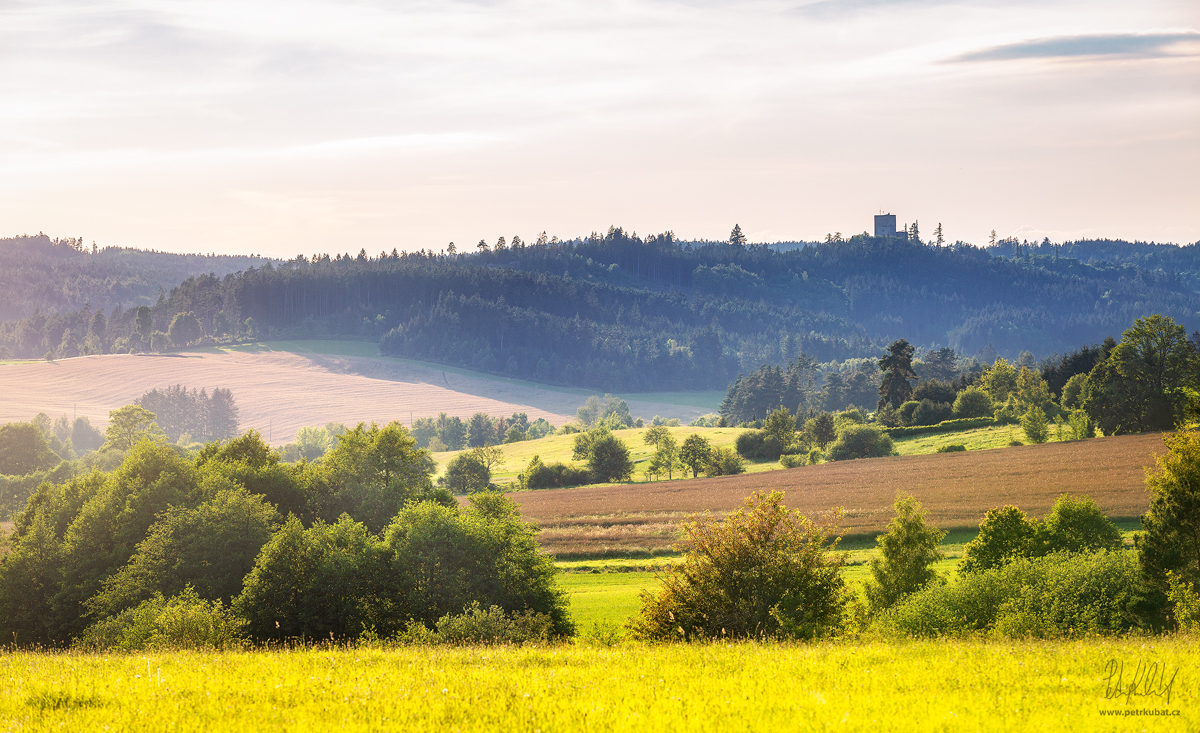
x=1066, y=575
x=196, y=415
x=450, y=432
x=1145, y=382
x=362, y=539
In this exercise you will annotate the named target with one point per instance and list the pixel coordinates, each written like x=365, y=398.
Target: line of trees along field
x=622, y=312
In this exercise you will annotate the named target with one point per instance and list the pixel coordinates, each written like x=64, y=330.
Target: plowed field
x=956, y=488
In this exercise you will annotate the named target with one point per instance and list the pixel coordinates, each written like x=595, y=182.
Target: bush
x=972, y=402
x=1077, y=526
x=931, y=413
x=793, y=460
x=183, y=621
x=1055, y=595
x=539, y=475
x=476, y=625
x=759, y=444
x=953, y=448
x=762, y=571
x=946, y=426
x=1004, y=534
x=861, y=441
x=906, y=410
x=724, y=462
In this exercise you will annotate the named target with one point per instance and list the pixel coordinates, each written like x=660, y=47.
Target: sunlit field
x=941, y=685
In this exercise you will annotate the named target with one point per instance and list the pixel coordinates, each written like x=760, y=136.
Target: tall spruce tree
x=897, y=368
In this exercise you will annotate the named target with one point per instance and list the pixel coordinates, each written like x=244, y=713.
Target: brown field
x=278, y=392
x=956, y=489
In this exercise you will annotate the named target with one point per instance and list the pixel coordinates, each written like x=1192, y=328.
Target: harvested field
x=279, y=391
x=956, y=488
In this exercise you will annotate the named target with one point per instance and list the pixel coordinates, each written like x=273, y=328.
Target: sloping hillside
x=279, y=391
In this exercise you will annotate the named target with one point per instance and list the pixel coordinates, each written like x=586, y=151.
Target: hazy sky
x=306, y=126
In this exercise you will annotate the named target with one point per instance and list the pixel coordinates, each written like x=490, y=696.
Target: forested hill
x=621, y=312
x=64, y=275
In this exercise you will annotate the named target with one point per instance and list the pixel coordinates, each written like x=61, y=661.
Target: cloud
x=1118, y=45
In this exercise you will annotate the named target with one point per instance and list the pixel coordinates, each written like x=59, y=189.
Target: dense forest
x=65, y=275
x=623, y=312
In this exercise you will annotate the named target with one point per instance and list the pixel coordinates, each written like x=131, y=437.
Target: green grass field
x=558, y=448
x=938, y=685
x=993, y=436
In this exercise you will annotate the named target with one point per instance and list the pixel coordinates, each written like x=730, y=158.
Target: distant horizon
x=281, y=128
x=470, y=249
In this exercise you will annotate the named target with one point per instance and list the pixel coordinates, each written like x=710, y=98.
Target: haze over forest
x=616, y=312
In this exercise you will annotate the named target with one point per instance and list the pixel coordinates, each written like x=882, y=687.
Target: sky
x=306, y=126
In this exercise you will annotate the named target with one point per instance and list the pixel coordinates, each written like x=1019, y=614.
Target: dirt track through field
x=956, y=489
x=277, y=392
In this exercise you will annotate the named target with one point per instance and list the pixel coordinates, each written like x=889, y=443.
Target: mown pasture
x=940, y=685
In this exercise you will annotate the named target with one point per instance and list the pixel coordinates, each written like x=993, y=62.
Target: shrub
x=1077, y=526
x=724, y=462
x=793, y=460
x=946, y=426
x=1004, y=534
x=906, y=556
x=861, y=441
x=972, y=402
x=539, y=475
x=477, y=625
x=906, y=411
x=952, y=448
x=183, y=621
x=1185, y=603
x=762, y=571
x=759, y=444
x=1055, y=595
x=931, y=413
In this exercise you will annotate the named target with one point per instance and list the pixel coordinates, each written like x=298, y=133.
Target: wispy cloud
x=1113, y=45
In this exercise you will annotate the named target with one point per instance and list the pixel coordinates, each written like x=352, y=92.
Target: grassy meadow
x=557, y=448
x=942, y=685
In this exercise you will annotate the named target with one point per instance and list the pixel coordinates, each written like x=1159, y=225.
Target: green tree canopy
x=128, y=425
x=24, y=450
x=607, y=455
x=185, y=328
x=1143, y=384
